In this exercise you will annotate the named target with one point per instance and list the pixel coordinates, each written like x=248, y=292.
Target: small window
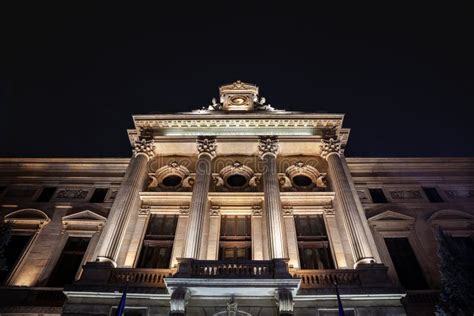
x=46, y=195
x=99, y=196
x=172, y=181
x=377, y=196
x=433, y=195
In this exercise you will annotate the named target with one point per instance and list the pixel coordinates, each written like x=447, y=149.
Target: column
x=268, y=148
x=346, y=204
x=207, y=150
x=126, y=203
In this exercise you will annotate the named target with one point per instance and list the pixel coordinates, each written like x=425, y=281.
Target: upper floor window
x=12, y=253
x=405, y=263
x=235, y=239
x=69, y=262
x=377, y=196
x=433, y=195
x=313, y=242
x=158, y=242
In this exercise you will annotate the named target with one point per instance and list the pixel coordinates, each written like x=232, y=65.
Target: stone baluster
x=126, y=202
x=345, y=202
x=268, y=148
x=207, y=150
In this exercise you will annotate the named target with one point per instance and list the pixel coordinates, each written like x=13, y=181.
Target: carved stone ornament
x=405, y=194
x=330, y=146
x=304, y=177
x=172, y=177
x=184, y=210
x=284, y=300
x=72, y=194
x=235, y=177
x=206, y=145
x=287, y=210
x=144, y=147
x=329, y=210
x=268, y=145
x=144, y=210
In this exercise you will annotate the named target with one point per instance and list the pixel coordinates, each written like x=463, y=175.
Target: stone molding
x=268, y=145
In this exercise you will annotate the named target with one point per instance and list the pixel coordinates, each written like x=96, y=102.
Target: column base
x=364, y=261
x=107, y=260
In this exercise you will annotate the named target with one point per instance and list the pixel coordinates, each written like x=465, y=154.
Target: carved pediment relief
x=172, y=177
x=28, y=217
x=303, y=177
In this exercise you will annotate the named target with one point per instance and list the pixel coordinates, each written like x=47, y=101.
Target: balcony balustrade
x=140, y=277
x=326, y=278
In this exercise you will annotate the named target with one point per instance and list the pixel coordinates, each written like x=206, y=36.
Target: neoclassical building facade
x=234, y=209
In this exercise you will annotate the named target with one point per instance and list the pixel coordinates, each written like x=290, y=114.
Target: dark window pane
x=236, y=181
x=46, y=195
x=377, y=196
x=69, y=262
x=406, y=265
x=156, y=256
x=315, y=256
x=162, y=227
x=99, y=196
x=433, y=195
x=310, y=226
x=13, y=251
x=302, y=181
x=172, y=181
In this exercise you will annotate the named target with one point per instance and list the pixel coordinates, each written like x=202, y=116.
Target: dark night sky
x=72, y=77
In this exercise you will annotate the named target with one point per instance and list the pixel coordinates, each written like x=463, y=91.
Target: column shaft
x=198, y=207
x=347, y=205
x=273, y=210
x=126, y=202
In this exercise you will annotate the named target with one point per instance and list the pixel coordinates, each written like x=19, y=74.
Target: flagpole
x=121, y=306
x=339, y=302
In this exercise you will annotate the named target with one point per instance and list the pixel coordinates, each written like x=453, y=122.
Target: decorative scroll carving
x=215, y=210
x=179, y=299
x=315, y=181
x=268, y=145
x=256, y=210
x=206, y=145
x=285, y=183
x=237, y=169
x=179, y=175
x=72, y=194
x=330, y=146
x=287, y=210
x=144, y=147
x=405, y=194
x=284, y=300
x=184, y=210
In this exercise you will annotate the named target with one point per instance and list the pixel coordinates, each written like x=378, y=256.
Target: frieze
x=405, y=194
x=72, y=194
x=459, y=194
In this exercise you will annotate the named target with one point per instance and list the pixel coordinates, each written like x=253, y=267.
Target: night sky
x=72, y=77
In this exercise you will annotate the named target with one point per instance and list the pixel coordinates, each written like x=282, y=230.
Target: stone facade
x=237, y=159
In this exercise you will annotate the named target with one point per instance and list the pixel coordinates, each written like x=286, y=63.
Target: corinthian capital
x=144, y=147
x=330, y=146
x=206, y=145
x=268, y=145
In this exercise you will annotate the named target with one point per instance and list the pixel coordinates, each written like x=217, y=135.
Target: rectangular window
x=406, y=265
x=69, y=262
x=158, y=242
x=12, y=253
x=99, y=196
x=46, y=195
x=377, y=196
x=235, y=239
x=433, y=195
x=313, y=242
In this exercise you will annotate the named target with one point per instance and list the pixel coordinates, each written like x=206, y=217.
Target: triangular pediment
x=84, y=216
x=451, y=215
x=390, y=216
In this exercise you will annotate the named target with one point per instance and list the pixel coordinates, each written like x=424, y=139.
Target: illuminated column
x=207, y=150
x=126, y=202
x=268, y=148
x=345, y=202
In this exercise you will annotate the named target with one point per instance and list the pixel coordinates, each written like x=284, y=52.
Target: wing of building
x=234, y=209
